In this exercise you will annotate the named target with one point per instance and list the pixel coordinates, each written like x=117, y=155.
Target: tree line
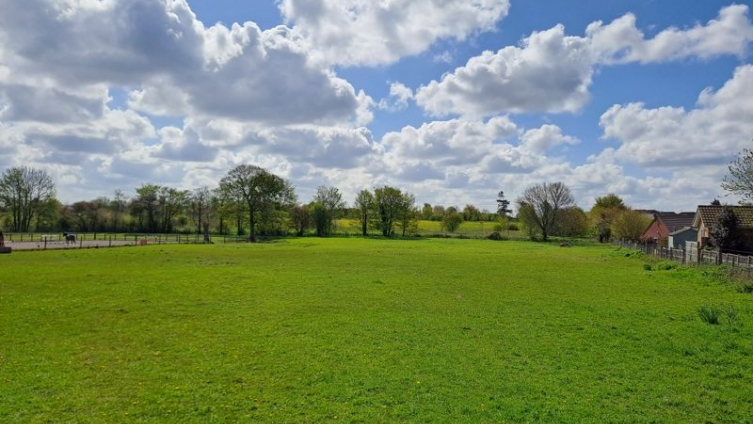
x=252, y=201
x=248, y=200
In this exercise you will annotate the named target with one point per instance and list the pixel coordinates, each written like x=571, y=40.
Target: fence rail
x=691, y=255
x=42, y=241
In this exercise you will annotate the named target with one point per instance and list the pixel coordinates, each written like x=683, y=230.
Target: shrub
x=745, y=287
x=666, y=265
x=647, y=267
x=495, y=236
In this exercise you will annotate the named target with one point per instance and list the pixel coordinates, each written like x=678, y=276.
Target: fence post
x=45, y=243
x=110, y=245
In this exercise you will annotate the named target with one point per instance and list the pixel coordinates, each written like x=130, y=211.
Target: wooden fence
x=691, y=255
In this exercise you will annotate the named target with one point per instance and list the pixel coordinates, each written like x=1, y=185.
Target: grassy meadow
x=471, y=229
x=369, y=330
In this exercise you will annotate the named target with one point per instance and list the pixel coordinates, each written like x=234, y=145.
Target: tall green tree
x=407, y=214
x=471, y=213
x=47, y=217
x=726, y=232
x=388, y=202
x=89, y=216
x=426, y=212
x=172, y=202
x=547, y=201
x=740, y=178
x=321, y=219
x=503, y=205
x=200, y=208
x=117, y=208
x=364, y=205
x=630, y=225
x=145, y=206
x=223, y=209
x=603, y=214
x=259, y=190
x=23, y=191
x=452, y=219
x=328, y=206
x=437, y=213
x=300, y=219
x=573, y=222
x=527, y=218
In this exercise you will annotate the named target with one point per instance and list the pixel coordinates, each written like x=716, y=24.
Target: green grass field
x=472, y=229
x=352, y=330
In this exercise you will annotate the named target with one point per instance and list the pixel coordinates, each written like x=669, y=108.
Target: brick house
x=707, y=215
x=665, y=223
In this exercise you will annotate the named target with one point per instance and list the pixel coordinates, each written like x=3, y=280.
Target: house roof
x=651, y=213
x=676, y=221
x=666, y=222
x=708, y=214
x=683, y=230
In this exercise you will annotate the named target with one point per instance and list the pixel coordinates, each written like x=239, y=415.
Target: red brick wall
x=656, y=231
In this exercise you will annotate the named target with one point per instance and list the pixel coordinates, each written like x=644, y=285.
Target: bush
x=496, y=236
x=666, y=265
x=745, y=287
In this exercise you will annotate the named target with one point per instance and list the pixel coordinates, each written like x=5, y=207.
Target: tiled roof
x=676, y=221
x=708, y=215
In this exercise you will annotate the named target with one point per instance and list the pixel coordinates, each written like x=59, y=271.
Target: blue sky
x=451, y=101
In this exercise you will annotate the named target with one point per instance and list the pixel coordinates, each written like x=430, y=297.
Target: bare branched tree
x=740, y=178
x=546, y=201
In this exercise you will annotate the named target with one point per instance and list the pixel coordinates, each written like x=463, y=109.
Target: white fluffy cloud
x=552, y=72
x=118, y=93
x=469, y=156
x=357, y=32
x=540, y=140
x=400, y=95
x=173, y=64
x=453, y=142
x=672, y=137
x=622, y=42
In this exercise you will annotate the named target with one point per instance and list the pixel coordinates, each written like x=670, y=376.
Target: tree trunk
x=252, y=225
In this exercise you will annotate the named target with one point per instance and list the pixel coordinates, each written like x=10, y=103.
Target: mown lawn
x=354, y=330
